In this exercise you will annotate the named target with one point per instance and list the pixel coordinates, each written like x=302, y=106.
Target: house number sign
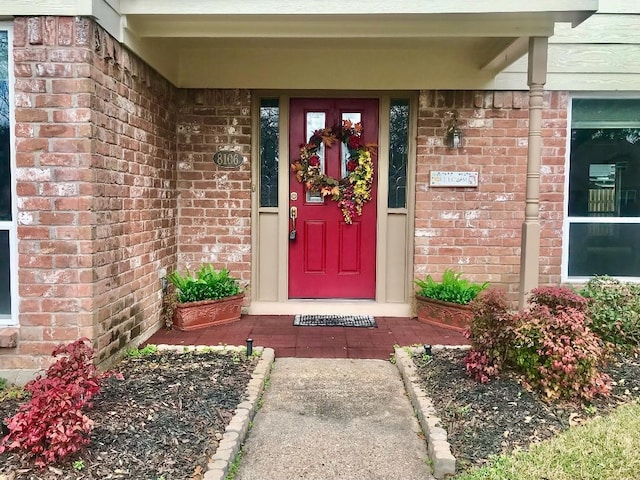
x=454, y=179
x=227, y=159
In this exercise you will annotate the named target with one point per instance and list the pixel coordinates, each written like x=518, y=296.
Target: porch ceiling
x=360, y=44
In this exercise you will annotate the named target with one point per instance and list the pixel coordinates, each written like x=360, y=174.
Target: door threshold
x=330, y=307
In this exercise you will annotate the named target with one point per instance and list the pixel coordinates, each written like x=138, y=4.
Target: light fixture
x=454, y=134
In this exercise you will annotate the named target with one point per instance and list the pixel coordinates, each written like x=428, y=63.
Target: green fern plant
x=452, y=288
x=207, y=284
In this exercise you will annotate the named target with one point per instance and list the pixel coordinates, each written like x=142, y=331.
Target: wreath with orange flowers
x=352, y=191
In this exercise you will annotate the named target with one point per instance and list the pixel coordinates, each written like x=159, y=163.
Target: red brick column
x=95, y=153
x=53, y=94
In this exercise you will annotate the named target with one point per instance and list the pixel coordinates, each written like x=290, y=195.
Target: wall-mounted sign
x=227, y=159
x=453, y=179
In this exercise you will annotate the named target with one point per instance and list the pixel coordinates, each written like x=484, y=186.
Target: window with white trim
x=7, y=221
x=603, y=211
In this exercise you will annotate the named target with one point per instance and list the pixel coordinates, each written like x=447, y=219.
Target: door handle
x=293, y=214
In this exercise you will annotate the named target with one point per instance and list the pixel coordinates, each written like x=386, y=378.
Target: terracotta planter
x=444, y=314
x=206, y=313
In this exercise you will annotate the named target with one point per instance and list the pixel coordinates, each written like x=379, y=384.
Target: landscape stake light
x=427, y=349
x=249, y=347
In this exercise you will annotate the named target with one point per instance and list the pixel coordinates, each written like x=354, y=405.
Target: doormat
x=335, y=321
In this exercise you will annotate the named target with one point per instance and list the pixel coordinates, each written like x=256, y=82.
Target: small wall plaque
x=227, y=159
x=453, y=179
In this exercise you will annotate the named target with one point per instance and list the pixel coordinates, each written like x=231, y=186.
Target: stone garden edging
x=236, y=432
x=438, y=448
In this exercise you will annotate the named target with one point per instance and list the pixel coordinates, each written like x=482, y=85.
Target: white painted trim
x=330, y=307
x=12, y=225
x=47, y=7
x=567, y=221
x=340, y=7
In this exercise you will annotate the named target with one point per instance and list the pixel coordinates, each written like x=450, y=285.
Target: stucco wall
x=478, y=230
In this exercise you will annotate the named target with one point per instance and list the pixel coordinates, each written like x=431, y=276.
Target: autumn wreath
x=352, y=191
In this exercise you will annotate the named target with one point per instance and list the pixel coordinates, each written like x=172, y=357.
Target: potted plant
x=209, y=298
x=446, y=302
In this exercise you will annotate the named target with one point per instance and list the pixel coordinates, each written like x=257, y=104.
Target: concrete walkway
x=325, y=419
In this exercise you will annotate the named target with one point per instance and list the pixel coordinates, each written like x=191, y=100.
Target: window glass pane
x=605, y=113
x=604, y=249
x=353, y=117
x=5, y=276
x=316, y=121
x=5, y=158
x=269, y=118
x=398, y=153
x=604, y=172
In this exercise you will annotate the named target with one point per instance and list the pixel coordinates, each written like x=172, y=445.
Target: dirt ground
x=162, y=422
x=500, y=416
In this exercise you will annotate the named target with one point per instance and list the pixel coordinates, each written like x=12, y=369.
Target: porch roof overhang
x=361, y=44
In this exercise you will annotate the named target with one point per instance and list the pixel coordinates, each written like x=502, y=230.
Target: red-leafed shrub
x=557, y=353
x=554, y=297
x=490, y=335
x=549, y=343
x=51, y=425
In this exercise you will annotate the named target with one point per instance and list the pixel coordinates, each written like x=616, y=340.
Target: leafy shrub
x=549, y=344
x=489, y=334
x=557, y=353
x=614, y=310
x=51, y=425
x=554, y=297
x=452, y=288
x=208, y=284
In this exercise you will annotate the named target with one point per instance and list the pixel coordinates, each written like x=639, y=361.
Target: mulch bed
x=498, y=417
x=163, y=421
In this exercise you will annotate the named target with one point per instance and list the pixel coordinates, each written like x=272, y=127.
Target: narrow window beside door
x=269, y=120
x=398, y=153
x=6, y=217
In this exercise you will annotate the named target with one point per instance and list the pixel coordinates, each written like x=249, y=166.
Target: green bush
x=452, y=288
x=614, y=310
x=208, y=284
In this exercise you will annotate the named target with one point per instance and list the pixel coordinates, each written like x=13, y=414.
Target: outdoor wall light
x=454, y=134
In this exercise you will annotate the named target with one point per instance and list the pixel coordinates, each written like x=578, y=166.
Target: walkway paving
x=336, y=419
x=279, y=333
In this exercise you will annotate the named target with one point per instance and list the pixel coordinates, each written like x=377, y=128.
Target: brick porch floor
x=279, y=333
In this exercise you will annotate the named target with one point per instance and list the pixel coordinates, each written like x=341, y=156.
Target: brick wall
x=134, y=193
x=95, y=154
x=214, y=204
x=478, y=230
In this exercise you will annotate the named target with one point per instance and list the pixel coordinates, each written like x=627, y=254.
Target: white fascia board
x=355, y=7
x=66, y=8
x=344, y=26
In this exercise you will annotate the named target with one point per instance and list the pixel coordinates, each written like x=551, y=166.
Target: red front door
x=329, y=258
